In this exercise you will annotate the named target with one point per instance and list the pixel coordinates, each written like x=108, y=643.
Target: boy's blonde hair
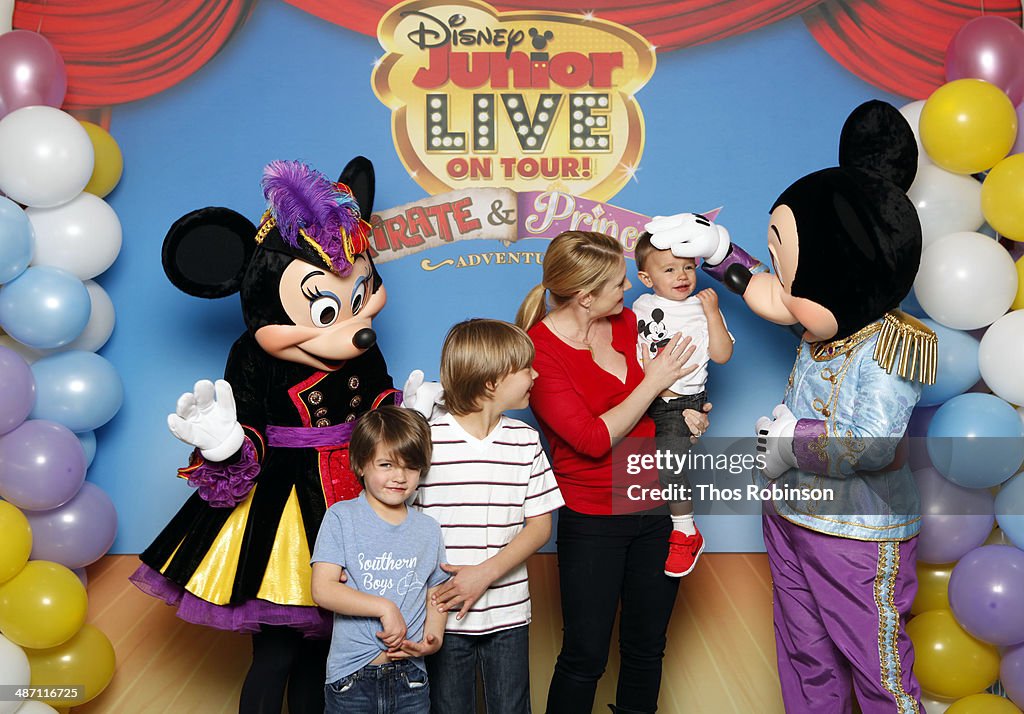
x=477, y=353
x=575, y=262
x=401, y=434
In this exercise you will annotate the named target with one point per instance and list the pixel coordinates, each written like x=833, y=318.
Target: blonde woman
x=591, y=394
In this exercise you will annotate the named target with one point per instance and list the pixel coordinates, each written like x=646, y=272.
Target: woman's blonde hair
x=575, y=262
x=477, y=353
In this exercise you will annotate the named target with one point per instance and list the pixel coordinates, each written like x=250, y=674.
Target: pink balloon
x=990, y=48
x=31, y=72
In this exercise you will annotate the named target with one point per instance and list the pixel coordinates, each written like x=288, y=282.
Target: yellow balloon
x=16, y=536
x=932, y=587
x=968, y=125
x=87, y=659
x=983, y=704
x=1018, y=302
x=948, y=662
x=109, y=161
x=42, y=606
x=1002, y=197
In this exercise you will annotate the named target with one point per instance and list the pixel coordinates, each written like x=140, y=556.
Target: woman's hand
x=697, y=421
x=670, y=364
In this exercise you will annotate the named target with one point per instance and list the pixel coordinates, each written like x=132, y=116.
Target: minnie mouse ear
x=359, y=176
x=878, y=139
x=206, y=252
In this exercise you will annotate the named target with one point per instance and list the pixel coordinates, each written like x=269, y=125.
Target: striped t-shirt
x=480, y=491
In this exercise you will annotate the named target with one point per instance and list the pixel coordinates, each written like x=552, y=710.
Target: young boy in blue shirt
x=391, y=556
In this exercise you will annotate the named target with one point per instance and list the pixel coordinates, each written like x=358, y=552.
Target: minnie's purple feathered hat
x=311, y=217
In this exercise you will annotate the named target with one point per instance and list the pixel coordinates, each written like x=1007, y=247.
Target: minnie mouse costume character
x=272, y=437
x=845, y=243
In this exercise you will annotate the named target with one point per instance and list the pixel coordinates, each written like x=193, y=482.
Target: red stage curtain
x=121, y=50
x=118, y=51
x=897, y=45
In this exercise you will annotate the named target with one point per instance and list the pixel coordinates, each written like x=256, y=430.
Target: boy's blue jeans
x=393, y=688
x=504, y=659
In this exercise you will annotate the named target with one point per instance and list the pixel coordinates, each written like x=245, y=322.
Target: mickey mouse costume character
x=272, y=437
x=845, y=243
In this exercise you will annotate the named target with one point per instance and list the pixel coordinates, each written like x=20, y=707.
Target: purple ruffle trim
x=226, y=485
x=736, y=255
x=312, y=622
x=807, y=433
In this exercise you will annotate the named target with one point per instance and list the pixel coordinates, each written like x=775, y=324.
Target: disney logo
x=434, y=32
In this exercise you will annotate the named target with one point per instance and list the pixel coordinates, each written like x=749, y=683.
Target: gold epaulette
x=908, y=338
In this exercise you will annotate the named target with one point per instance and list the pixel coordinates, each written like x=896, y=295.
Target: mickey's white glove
x=424, y=397
x=208, y=424
x=775, y=441
x=690, y=235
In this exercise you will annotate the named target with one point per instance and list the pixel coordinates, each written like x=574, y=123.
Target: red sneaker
x=683, y=552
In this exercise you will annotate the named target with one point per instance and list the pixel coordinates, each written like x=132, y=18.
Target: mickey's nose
x=364, y=339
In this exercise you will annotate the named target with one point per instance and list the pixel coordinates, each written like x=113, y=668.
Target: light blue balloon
x=88, y=439
x=1010, y=509
x=976, y=440
x=17, y=240
x=44, y=307
x=958, y=365
x=80, y=390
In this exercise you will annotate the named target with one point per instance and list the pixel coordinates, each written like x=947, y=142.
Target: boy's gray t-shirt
x=399, y=563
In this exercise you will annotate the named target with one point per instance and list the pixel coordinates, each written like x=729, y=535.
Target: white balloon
x=14, y=670
x=1001, y=357
x=100, y=326
x=946, y=203
x=935, y=706
x=912, y=113
x=966, y=281
x=46, y=156
x=34, y=706
x=82, y=236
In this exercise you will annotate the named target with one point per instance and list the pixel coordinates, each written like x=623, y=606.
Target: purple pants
x=841, y=607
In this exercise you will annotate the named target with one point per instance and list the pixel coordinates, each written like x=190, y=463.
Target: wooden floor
x=720, y=657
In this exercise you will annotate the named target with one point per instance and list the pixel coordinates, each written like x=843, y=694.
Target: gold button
x=826, y=413
x=320, y=412
x=350, y=417
x=323, y=422
x=356, y=401
x=353, y=382
x=315, y=398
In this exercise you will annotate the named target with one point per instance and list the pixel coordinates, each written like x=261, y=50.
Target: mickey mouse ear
x=877, y=138
x=206, y=252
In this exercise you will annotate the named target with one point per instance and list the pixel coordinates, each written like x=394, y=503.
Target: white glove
x=775, y=441
x=208, y=424
x=690, y=235
x=424, y=397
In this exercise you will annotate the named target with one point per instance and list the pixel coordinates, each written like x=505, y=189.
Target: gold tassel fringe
x=907, y=343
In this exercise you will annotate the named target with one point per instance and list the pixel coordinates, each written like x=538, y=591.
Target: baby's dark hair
x=401, y=434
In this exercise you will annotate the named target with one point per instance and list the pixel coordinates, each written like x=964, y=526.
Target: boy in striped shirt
x=491, y=488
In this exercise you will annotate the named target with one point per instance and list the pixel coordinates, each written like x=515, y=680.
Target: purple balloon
x=954, y=520
x=31, y=72
x=76, y=534
x=1011, y=674
x=1018, y=145
x=42, y=465
x=986, y=593
x=18, y=387
x=990, y=47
